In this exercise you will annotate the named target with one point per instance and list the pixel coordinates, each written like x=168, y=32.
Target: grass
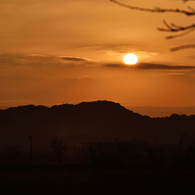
x=83, y=179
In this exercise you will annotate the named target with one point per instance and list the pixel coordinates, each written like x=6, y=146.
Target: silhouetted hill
x=87, y=122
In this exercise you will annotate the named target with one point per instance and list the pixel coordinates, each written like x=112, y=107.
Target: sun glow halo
x=130, y=59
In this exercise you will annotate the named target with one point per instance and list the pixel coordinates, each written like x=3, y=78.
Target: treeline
x=106, y=154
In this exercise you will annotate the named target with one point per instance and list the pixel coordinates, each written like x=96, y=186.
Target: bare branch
x=180, y=35
x=13, y=151
x=157, y=9
x=175, y=25
x=192, y=9
x=169, y=27
x=59, y=147
x=175, y=28
x=182, y=47
x=187, y=0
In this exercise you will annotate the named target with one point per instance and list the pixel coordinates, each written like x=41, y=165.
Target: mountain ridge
x=88, y=122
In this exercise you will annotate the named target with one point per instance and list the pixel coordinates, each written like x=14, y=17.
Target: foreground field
x=92, y=180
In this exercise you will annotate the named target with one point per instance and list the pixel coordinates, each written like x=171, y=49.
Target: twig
x=182, y=47
x=175, y=28
x=157, y=9
x=180, y=35
x=169, y=27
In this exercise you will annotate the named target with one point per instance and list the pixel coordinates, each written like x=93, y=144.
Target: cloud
x=15, y=57
x=41, y=62
x=162, y=66
x=177, y=73
x=150, y=66
x=76, y=59
x=117, y=65
x=123, y=49
x=114, y=48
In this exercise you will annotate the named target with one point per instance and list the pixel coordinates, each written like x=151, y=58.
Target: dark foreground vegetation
x=152, y=156
x=88, y=179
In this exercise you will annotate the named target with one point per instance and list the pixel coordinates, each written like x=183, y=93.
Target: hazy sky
x=69, y=51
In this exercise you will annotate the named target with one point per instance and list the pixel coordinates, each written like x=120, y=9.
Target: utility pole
x=30, y=137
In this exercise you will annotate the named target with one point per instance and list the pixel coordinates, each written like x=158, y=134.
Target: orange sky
x=54, y=52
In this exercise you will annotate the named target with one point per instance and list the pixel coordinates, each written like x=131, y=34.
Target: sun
x=130, y=58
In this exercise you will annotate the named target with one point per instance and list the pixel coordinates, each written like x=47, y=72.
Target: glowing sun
x=130, y=58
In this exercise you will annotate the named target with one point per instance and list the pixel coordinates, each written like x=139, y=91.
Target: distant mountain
x=87, y=122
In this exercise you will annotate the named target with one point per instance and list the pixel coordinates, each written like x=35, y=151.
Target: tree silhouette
x=172, y=28
x=154, y=155
x=59, y=147
x=30, y=138
x=13, y=151
x=182, y=141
